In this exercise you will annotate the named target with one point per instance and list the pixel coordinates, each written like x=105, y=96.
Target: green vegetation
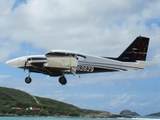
x=17, y=103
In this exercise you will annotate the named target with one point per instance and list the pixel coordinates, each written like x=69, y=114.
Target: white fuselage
x=86, y=63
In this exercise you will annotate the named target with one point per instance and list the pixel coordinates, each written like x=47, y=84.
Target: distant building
x=34, y=108
x=16, y=108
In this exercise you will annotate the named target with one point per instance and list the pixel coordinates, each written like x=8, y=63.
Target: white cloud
x=77, y=97
x=8, y=47
x=53, y=22
x=120, y=100
x=6, y=7
x=2, y=77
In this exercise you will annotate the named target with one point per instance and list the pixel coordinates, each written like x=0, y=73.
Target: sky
x=98, y=27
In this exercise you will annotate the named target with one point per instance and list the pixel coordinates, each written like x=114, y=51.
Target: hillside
x=128, y=113
x=16, y=102
x=154, y=114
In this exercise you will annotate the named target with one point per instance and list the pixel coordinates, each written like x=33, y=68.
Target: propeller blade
x=25, y=66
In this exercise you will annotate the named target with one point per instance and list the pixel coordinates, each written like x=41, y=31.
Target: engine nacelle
x=61, y=62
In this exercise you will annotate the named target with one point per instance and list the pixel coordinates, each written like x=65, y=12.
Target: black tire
x=62, y=80
x=28, y=80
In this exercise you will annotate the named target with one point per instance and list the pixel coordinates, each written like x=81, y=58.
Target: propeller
x=25, y=64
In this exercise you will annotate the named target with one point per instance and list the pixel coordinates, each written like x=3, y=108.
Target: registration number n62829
x=84, y=68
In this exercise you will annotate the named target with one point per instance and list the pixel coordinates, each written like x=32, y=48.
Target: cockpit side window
x=29, y=59
x=80, y=57
x=36, y=58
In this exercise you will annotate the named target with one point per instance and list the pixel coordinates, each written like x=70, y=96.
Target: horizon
x=35, y=27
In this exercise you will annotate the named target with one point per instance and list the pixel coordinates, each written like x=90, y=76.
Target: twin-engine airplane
x=61, y=62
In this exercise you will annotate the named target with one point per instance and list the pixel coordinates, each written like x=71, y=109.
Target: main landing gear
x=62, y=80
x=28, y=79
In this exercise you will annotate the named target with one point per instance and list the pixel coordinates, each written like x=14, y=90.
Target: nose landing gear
x=28, y=79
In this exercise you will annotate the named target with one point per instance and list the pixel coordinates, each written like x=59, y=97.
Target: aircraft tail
x=137, y=50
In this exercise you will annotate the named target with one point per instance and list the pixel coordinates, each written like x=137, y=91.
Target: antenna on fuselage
x=98, y=54
x=78, y=52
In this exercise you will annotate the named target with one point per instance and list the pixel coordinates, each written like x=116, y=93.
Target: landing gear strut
x=62, y=80
x=28, y=79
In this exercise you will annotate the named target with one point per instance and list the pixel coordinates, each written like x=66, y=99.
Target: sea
x=52, y=118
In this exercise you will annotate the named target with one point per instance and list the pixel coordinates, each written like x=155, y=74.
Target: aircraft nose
x=12, y=63
x=15, y=62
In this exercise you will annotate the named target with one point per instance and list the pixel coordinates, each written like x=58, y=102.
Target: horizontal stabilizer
x=143, y=64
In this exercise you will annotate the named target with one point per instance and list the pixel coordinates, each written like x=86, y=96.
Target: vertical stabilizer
x=137, y=50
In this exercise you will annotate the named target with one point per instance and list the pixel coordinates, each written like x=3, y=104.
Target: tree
x=74, y=114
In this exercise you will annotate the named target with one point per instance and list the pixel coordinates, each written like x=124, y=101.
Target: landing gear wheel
x=28, y=80
x=62, y=80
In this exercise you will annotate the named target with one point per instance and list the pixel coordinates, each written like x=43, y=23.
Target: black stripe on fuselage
x=96, y=70
x=102, y=65
x=36, y=58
